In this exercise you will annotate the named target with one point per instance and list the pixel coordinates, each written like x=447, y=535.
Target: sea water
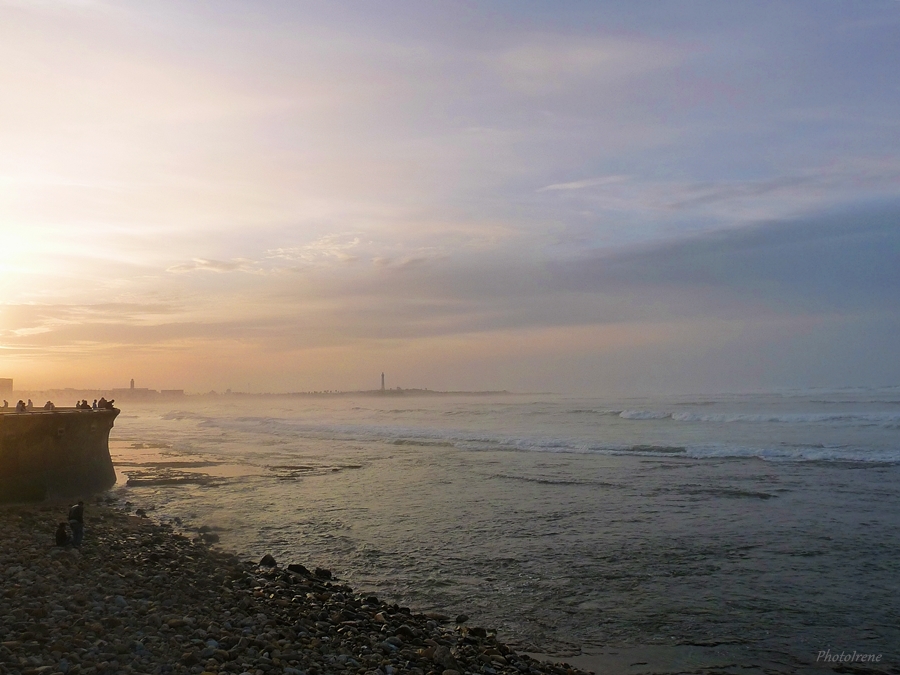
x=645, y=533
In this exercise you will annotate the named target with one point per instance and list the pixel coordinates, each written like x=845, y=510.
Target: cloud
x=586, y=183
x=545, y=63
x=220, y=266
x=332, y=247
x=34, y=5
x=671, y=208
x=35, y=315
x=875, y=175
x=846, y=260
x=834, y=276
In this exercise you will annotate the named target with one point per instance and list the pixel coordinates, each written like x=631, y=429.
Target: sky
x=581, y=197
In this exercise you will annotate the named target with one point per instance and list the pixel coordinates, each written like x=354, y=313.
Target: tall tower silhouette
x=382, y=382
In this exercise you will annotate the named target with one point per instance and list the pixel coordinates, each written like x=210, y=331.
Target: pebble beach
x=138, y=597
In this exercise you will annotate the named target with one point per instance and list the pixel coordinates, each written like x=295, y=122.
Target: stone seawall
x=60, y=453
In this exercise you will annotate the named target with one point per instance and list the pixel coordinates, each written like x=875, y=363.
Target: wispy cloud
x=332, y=247
x=550, y=62
x=220, y=266
x=585, y=183
x=668, y=204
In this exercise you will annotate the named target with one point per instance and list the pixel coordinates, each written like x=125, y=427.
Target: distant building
x=134, y=392
x=6, y=385
x=171, y=392
x=382, y=382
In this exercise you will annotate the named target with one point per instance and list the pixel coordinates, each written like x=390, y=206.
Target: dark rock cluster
x=137, y=598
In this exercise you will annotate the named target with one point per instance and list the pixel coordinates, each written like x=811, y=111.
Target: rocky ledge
x=138, y=598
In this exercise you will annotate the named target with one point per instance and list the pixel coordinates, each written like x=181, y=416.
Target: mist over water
x=766, y=525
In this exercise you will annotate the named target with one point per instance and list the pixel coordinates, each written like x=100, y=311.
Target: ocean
x=738, y=533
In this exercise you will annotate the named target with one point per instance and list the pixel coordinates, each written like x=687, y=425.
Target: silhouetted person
x=62, y=535
x=76, y=522
x=49, y=405
x=29, y=406
x=95, y=404
x=20, y=406
x=5, y=403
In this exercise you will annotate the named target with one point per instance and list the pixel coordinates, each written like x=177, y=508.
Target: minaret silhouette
x=382, y=382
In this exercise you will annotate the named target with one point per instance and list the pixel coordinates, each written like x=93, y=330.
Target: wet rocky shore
x=140, y=598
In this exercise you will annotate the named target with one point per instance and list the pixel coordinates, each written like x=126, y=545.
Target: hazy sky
x=580, y=197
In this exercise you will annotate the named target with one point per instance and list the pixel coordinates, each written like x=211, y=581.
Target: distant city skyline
x=586, y=197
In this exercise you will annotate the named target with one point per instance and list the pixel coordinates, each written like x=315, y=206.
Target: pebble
x=138, y=598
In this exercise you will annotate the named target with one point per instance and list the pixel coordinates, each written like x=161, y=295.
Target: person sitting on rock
x=29, y=406
x=5, y=403
x=49, y=405
x=62, y=535
x=76, y=522
x=101, y=404
x=95, y=406
x=20, y=406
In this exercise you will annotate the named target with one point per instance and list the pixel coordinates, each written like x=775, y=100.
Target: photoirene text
x=845, y=657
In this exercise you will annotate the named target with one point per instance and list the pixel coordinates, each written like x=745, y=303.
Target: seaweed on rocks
x=137, y=597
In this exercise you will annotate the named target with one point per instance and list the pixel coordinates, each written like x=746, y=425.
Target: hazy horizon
x=593, y=198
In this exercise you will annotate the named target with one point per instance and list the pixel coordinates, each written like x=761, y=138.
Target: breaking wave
x=888, y=420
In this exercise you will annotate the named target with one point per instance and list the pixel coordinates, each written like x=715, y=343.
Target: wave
x=644, y=415
x=585, y=437
x=294, y=471
x=793, y=418
x=887, y=420
x=783, y=452
x=543, y=480
x=729, y=493
x=180, y=415
x=424, y=444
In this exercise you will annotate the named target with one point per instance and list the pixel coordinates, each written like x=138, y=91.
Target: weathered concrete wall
x=63, y=453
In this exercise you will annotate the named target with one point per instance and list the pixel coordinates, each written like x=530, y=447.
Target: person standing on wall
x=76, y=522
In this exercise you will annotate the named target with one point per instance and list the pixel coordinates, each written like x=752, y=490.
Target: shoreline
x=138, y=597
